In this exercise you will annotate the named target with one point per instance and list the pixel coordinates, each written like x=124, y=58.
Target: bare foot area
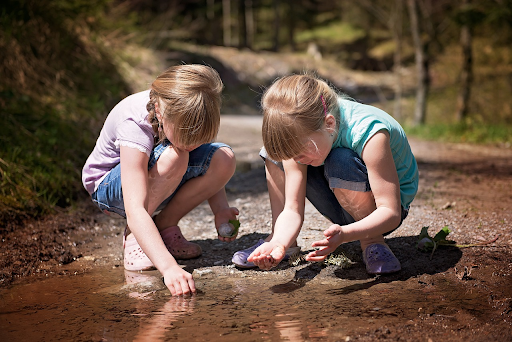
x=454, y=294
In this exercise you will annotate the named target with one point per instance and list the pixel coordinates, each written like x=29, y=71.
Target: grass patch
x=333, y=34
x=464, y=132
x=57, y=83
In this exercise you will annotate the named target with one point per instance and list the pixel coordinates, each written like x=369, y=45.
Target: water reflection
x=290, y=330
x=155, y=323
x=293, y=327
x=113, y=305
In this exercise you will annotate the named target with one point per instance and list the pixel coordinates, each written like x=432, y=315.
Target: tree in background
x=390, y=14
x=245, y=24
x=226, y=22
x=422, y=64
x=277, y=24
x=467, y=17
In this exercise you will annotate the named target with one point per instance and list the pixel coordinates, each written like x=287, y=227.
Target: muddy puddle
x=108, y=304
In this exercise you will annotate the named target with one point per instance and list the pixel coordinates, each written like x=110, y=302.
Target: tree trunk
x=277, y=25
x=213, y=30
x=242, y=25
x=421, y=66
x=226, y=20
x=466, y=74
x=210, y=10
x=393, y=19
x=396, y=28
x=249, y=23
x=291, y=24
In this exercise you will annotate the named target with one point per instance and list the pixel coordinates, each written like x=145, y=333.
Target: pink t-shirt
x=126, y=125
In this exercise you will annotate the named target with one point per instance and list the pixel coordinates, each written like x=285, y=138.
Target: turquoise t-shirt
x=359, y=122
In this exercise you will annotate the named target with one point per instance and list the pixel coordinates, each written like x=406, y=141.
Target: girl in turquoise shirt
x=352, y=161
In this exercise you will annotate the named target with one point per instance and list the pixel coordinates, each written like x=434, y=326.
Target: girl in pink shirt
x=154, y=161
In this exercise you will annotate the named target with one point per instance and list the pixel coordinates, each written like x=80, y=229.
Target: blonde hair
x=294, y=107
x=191, y=98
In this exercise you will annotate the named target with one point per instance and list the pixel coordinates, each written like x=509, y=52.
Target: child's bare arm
x=385, y=187
x=134, y=179
x=222, y=212
x=384, y=183
x=289, y=221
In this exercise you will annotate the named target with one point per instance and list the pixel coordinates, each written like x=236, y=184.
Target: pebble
x=202, y=272
x=226, y=230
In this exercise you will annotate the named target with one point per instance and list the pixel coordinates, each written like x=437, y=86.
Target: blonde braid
x=152, y=118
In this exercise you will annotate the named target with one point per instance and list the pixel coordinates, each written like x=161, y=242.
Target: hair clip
x=325, y=107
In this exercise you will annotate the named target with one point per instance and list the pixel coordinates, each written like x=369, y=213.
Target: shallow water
x=111, y=305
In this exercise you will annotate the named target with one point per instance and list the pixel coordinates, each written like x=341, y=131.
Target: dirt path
x=467, y=188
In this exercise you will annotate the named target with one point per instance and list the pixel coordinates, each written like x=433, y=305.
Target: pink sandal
x=178, y=246
x=134, y=257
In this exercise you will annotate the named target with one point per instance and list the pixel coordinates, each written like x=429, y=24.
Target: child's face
x=169, y=133
x=318, y=144
x=168, y=129
x=317, y=147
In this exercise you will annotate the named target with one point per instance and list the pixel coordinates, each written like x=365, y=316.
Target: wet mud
x=310, y=303
x=62, y=277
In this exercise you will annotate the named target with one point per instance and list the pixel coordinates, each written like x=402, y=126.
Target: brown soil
x=465, y=187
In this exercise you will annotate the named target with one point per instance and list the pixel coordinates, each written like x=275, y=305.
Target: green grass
x=332, y=34
x=464, y=132
x=489, y=120
x=57, y=85
x=440, y=124
x=43, y=148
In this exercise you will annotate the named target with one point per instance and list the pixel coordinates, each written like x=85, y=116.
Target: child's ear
x=330, y=122
x=157, y=111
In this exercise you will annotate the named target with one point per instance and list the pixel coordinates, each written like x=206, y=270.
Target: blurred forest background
x=443, y=68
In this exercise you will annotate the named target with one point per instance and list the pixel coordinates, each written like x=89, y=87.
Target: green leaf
x=440, y=237
x=442, y=234
x=236, y=225
x=424, y=233
x=425, y=242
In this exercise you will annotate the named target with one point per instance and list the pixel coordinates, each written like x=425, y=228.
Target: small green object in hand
x=236, y=225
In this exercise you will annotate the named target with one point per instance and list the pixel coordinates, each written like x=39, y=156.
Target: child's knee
x=224, y=160
x=226, y=155
x=171, y=163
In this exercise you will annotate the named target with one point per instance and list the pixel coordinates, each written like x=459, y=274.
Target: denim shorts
x=342, y=169
x=109, y=195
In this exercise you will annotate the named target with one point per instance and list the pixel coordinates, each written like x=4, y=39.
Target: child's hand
x=223, y=216
x=267, y=255
x=179, y=281
x=333, y=238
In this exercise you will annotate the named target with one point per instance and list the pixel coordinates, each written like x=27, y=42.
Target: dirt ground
x=465, y=187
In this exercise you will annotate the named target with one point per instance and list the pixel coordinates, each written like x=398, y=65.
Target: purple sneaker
x=240, y=257
x=379, y=259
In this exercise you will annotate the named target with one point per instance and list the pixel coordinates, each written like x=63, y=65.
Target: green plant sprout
x=426, y=242
x=335, y=258
x=338, y=259
x=296, y=259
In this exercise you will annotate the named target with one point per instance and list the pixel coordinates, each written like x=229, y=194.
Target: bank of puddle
x=117, y=305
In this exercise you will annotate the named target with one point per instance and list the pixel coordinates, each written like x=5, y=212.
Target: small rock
x=203, y=272
x=226, y=230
